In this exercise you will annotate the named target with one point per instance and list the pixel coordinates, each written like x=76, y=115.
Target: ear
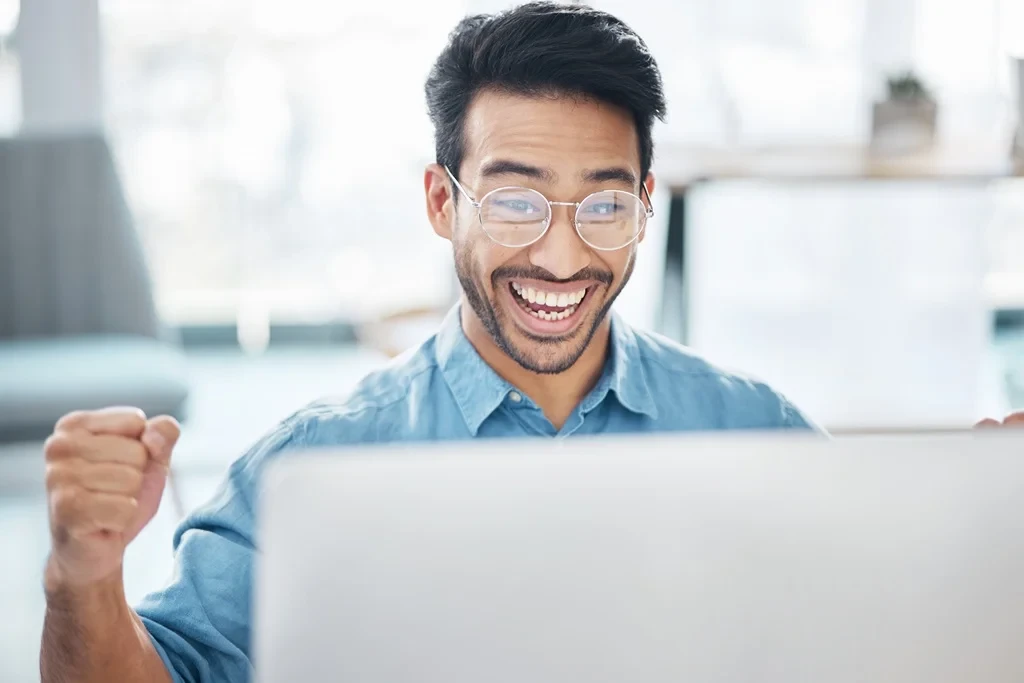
x=649, y=183
x=440, y=209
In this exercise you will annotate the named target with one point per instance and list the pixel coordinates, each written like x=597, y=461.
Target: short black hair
x=542, y=48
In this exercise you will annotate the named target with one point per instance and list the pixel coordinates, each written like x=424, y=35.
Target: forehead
x=562, y=133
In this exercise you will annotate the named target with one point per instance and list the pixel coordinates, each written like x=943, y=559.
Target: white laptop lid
x=746, y=558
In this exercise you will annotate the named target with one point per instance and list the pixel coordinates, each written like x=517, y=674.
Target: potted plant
x=906, y=120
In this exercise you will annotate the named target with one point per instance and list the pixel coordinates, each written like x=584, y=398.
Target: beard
x=546, y=355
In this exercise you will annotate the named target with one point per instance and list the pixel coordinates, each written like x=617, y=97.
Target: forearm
x=91, y=635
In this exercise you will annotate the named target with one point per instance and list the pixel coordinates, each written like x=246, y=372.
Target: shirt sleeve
x=781, y=413
x=794, y=418
x=199, y=622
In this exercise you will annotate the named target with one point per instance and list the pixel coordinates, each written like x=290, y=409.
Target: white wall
x=864, y=302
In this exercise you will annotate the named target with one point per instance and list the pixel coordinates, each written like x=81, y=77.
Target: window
x=273, y=153
x=805, y=71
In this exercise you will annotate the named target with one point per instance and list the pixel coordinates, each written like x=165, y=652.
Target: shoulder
x=394, y=389
x=668, y=357
x=725, y=397
x=383, y=397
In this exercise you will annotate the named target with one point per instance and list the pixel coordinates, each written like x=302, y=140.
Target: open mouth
x=548, y=306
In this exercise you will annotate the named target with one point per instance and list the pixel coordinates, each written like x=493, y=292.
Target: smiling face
x=543, y=303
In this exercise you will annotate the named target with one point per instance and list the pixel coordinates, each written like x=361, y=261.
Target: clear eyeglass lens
x=514, y=216
x=610, y=219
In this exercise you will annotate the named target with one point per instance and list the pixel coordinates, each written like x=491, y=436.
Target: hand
x=105, y=475
x=1012, y=420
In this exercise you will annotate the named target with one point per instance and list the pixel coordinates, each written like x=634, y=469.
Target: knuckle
x=134, y=420
x=60, y=444
x=71, y=420
x=135, y=455
x=133, y=411
x=56, y=475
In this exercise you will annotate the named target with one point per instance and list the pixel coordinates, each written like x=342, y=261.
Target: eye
x=603, y=208
x=517, y=206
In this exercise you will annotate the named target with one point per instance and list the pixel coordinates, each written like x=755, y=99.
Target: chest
x=519, y=419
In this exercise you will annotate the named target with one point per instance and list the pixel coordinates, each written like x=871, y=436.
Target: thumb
x=159, y=437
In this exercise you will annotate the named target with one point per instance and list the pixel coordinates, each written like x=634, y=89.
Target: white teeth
x=561, y=315
x=566, y=301
x=549, y=298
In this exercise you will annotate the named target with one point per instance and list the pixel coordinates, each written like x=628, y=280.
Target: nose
x=561, y=252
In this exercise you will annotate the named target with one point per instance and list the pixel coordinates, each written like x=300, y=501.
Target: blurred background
x=214, y=208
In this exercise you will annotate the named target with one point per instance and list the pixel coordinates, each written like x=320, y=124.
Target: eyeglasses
x=518, y=216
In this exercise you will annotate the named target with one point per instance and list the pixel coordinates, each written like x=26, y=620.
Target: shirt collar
x=479, y=390
x=627, y=376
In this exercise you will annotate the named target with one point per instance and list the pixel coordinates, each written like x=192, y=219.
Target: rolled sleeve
x=199, y=622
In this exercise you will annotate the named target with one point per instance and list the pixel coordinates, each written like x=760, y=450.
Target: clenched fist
x=105, y=475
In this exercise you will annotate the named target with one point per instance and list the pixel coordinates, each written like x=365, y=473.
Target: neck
x=557, y=395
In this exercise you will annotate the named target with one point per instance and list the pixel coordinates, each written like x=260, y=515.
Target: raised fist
x=105, y=476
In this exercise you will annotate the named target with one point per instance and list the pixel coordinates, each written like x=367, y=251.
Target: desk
x=681, y=166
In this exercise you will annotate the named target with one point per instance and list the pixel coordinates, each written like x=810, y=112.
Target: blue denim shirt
x=199, y=623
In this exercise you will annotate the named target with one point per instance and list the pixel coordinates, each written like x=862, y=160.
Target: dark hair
x=537, y=49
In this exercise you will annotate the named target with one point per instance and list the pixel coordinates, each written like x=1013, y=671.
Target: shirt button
x=515, y=396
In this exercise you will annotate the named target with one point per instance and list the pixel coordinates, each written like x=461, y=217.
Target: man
x=544, y=103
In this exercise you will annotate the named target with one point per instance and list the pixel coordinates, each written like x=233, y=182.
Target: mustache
x=587, y=274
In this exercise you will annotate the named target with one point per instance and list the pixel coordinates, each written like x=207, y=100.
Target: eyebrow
x=504, y=167
x=500, y=167
x=604, y=175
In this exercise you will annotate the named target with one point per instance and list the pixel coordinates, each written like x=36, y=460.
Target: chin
x=547, y=339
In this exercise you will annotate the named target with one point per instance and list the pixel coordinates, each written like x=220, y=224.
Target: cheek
x=618, y=262
x=477, y=256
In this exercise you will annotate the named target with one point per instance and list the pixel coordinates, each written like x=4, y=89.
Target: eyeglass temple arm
x=650, y=202
x=466, y=194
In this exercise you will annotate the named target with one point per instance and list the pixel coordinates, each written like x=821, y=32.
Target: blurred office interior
x=214, y=208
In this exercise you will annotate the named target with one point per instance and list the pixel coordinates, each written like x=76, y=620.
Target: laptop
x=659, y=559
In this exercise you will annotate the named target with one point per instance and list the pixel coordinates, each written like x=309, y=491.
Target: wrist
x=62, y=592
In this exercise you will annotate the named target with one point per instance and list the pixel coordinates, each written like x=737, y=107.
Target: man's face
x=542, y=303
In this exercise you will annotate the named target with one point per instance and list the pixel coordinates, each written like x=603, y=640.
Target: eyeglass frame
x=478, y=205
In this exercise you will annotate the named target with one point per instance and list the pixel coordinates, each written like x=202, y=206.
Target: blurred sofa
x=78, y=323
